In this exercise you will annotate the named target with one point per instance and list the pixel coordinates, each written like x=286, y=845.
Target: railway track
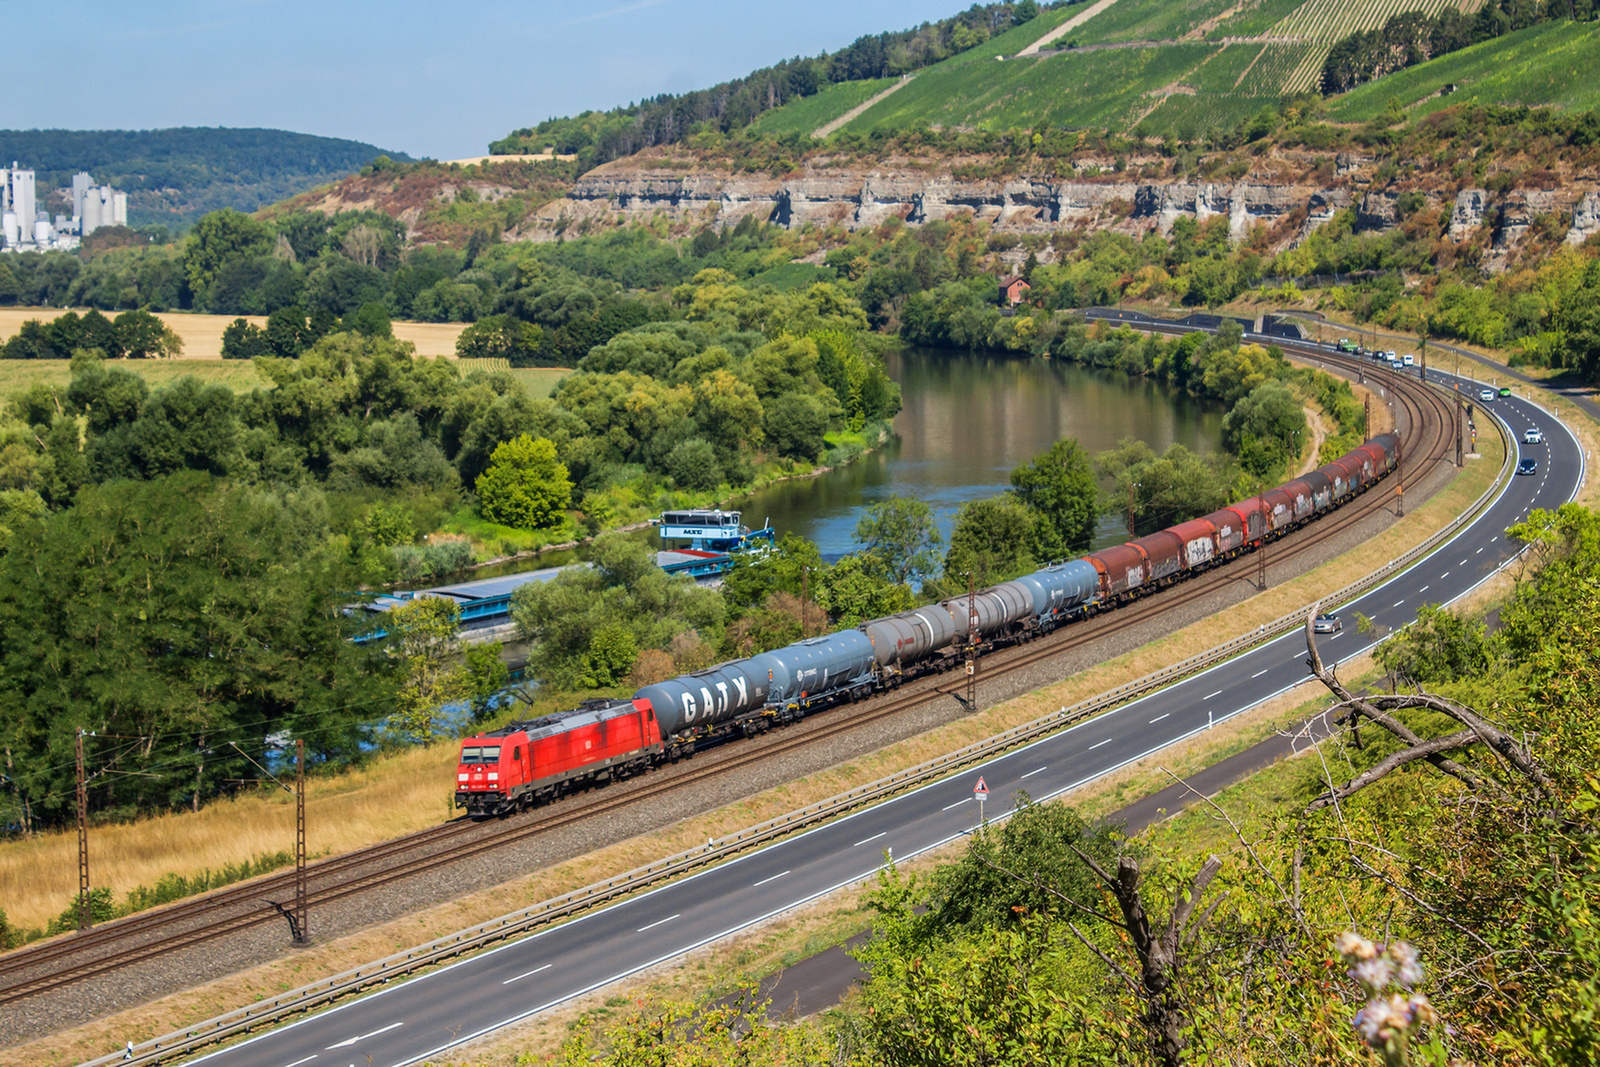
x=1424, y=418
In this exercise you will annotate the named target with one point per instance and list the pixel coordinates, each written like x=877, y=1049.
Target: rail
x=305, y=998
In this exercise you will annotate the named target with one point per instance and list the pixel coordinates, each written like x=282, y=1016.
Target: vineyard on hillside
x=1552, y=63
x=810, y=112
x=1325, y=22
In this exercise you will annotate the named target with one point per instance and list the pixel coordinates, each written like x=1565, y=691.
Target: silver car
x=1326, y=624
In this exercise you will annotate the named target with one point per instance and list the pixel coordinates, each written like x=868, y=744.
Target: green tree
x=244, y=340
x=1059, y=484
x=1169, y=488
x=856, y=589
x=140, y=335
x=900, y=533
x=185, y=612
x=219, y=238
x=796, y=424
x=526, y=486
x=994, y=539
x=1265, y=429
x=370, y=320
x=424, y=640
x=486, y=675
x=611, y=654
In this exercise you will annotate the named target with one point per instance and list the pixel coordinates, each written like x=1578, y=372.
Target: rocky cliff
x=860, y=196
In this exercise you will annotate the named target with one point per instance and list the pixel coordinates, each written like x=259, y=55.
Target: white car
x=1485, y=395
x=1532, y=436
x=1409, y=360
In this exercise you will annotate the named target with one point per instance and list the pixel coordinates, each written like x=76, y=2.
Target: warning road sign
x=981, y=790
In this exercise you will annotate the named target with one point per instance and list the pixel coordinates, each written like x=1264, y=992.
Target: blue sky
x=441, y=78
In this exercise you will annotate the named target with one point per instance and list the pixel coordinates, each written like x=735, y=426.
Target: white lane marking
x=764, y=881
x=526, y=974
x=1258, y=674
x=1158, y=718
x=874, y=837
x=1030, y=774
x=1463, y=563
x=957, y=804
x=1208, y=696
x=363, y=1037
x=1097, y=744
x=657, y=923
x=1480, y=551
x=1397, y=603
x=308, y=1059
x=1446, y=574
x=1425, y=588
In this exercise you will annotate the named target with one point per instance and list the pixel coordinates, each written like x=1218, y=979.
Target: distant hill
x=175, y=176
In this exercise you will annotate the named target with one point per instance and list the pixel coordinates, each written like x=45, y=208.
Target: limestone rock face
x=865, y=196
x=1585, y=219
x=1471, y=207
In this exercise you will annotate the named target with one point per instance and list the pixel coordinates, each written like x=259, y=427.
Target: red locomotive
x=526, y=763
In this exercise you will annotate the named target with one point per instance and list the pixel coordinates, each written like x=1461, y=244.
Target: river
x=968, y=420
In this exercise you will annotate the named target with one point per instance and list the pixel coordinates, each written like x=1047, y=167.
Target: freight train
x=531, y=762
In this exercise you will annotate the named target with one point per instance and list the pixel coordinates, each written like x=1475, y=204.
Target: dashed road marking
x=1097, y=744
x=657, y=923
x=363, y=1037
x=764, y=881
x=869, y=840
x=1208, y=696
x=1030, y=774
x=1258, y=674
x=957, y=804
x=525, y=974
x=1158, y=718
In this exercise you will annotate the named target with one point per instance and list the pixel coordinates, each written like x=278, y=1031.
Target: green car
x=1505, y=390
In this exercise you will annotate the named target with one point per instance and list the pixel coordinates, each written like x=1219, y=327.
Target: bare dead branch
x=1384, y=767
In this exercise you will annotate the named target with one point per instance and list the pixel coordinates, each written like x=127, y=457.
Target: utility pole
x=1366, y=414
x=1131, y=487
x=972, y=643
x=1400, y=479
x=84, y=916
x=1424, y=355
x=1460, y=430
x=302, y=931
x=1261, y=549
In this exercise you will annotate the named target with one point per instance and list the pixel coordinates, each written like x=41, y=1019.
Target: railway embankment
x=246, y=966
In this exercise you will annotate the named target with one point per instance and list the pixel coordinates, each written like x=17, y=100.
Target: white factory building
x=25, y=227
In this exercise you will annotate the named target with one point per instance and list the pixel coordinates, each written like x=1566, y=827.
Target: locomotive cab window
x=481, y=755
x=516, y=753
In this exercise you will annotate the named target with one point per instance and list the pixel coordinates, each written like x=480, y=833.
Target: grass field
x=18, y=375
x=809, y=112
x=202, y=334
x=1551, y=63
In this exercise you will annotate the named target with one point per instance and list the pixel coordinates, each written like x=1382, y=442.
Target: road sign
x=981, y=790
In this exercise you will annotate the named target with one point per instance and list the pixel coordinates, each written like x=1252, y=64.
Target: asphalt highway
x=412, y=1021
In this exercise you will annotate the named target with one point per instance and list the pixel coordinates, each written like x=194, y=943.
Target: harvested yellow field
x=202, y=334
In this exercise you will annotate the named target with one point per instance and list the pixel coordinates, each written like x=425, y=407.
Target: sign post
x=981, y=791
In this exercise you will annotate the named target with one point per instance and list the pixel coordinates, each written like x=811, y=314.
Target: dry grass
x=392, y=796
x=418, y=792
x=202, y=334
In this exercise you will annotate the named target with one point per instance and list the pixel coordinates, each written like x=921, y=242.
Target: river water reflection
x=968, y=421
